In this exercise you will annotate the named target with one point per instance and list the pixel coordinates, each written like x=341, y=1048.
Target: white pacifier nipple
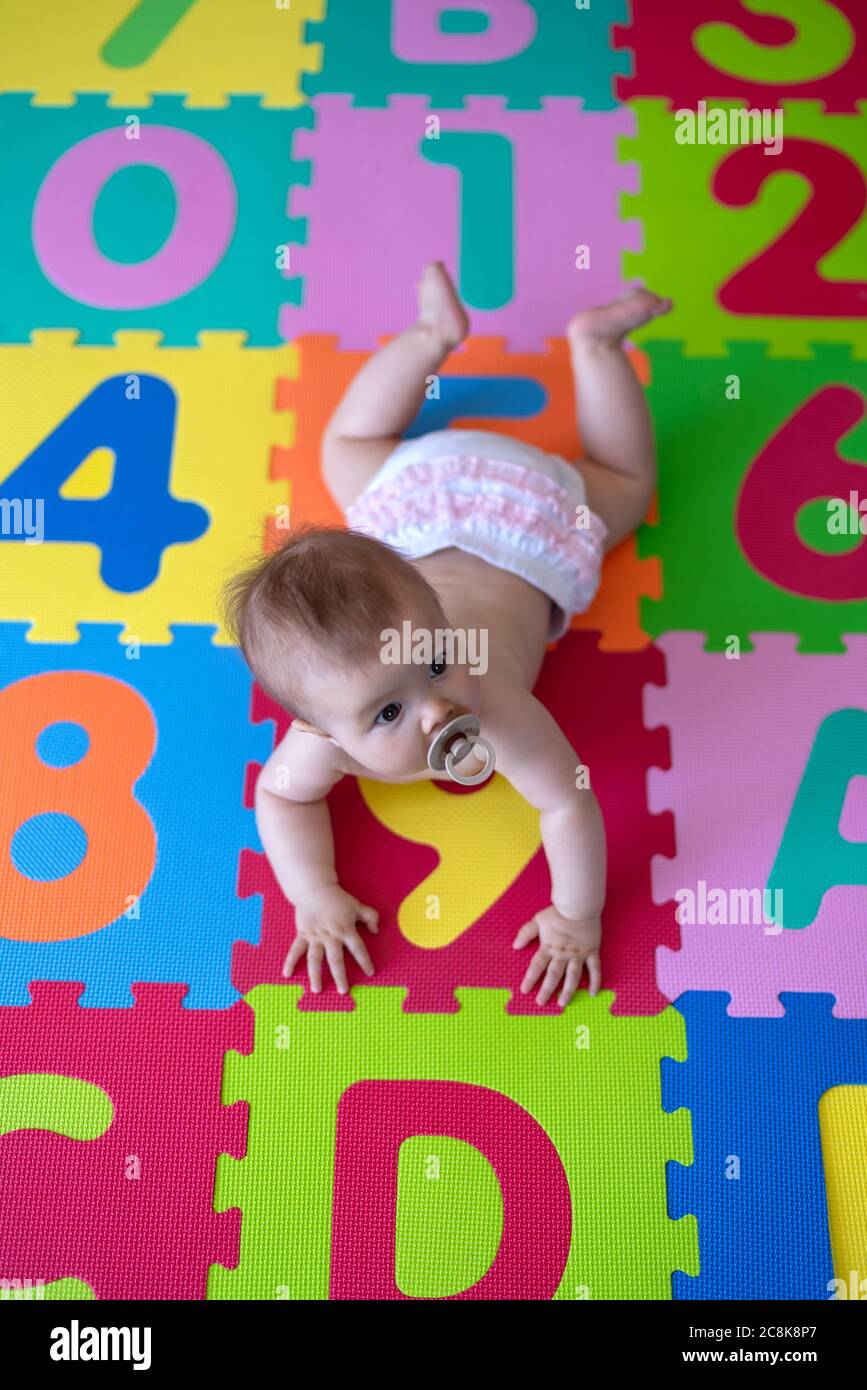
x=453, y=743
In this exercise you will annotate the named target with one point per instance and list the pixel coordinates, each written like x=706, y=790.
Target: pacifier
x=453, y=743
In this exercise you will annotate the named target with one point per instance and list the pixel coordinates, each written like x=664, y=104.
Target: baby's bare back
x=515, y=615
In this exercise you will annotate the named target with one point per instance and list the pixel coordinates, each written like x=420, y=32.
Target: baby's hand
x=564, y=944
x=325, y=922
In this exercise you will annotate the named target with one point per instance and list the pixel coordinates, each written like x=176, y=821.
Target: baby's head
x=312, y=620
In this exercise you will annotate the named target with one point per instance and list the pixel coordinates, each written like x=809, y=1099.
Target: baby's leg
x=387, y=393
x=616, y=430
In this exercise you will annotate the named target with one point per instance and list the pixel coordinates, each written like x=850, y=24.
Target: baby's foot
x=439, y=307
x=613, y=321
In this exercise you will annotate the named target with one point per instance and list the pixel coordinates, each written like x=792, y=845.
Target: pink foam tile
x=373, y=187
x=741, y=734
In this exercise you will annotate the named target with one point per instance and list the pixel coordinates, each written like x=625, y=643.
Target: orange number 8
x=96, y=792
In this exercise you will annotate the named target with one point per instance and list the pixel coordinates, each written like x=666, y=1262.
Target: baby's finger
x=355, y=944
x=299, y=946
x=314, y=966
x=553, y=976
x=594, y=970
x=570, y=984
x=369, y=917
x=334, y=952
x=527, y=933
x=534, y=969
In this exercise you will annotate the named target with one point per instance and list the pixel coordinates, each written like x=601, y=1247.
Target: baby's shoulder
x=304, y=765
x=506, y=708
x=530, y=748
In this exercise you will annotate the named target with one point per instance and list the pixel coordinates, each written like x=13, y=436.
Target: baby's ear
x=308, y=727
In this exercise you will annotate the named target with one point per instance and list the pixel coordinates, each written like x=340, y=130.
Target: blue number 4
x=138, y=518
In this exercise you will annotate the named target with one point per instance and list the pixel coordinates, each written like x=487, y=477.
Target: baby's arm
x=294, y=825
x=534, y=755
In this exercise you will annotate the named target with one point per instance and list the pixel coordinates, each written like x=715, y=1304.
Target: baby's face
x=386, y=715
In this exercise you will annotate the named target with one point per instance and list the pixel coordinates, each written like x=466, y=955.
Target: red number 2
x=783, y=278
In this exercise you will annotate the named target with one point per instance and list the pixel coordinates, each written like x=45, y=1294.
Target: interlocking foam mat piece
x=124, y=444
x=732, y=231
x=214, y=213
x=162, y=224
x=456, y=874
x=758, y=1185
x=386, y=1103
x=772, y=441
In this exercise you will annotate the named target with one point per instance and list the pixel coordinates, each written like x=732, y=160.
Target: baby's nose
x=436, y=715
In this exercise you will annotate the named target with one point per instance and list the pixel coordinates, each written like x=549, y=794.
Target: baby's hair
x=337, y=587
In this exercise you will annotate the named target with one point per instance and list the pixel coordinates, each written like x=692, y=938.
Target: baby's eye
x=388, y=714
x=437, y=668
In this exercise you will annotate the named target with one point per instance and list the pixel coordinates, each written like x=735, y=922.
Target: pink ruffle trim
x=418, y=499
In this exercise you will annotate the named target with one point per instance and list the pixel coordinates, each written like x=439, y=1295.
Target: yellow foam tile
x=134, y=50
x=226, y=430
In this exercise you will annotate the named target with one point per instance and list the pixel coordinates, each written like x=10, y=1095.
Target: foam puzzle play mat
x=214, y=212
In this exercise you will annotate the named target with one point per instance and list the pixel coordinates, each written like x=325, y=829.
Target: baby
x=458, y=539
